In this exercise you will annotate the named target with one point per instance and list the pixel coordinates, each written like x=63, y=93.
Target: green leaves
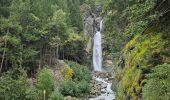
x=79, y=84
x=45, y=80
x=158, y=83
x=14, y=85
x=125, y=19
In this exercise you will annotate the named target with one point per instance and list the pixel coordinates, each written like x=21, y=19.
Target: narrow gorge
x=84, y=49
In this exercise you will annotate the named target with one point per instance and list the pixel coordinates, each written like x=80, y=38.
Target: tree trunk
x=40, y=62
x=4, y=52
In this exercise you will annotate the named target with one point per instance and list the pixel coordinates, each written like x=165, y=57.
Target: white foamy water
x=97, y=50
x=109, y=95
x=97, y=65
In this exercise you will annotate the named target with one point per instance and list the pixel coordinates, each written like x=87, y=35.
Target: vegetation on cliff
x=36, y=34
x=138, y=32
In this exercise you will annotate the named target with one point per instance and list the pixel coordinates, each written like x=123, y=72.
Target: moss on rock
x=140, y=54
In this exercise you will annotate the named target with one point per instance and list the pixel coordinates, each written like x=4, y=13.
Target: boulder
x=103, y=90
x=104, y=85
x=92, y=96
x=114, y=84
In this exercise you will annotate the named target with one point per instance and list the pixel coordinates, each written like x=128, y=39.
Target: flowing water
x=109, y=94
x=97, y=50
x=97, y=65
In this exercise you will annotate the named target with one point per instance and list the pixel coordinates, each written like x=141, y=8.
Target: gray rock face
x=91, y=26
x=97, y=23
x=114, y=84
x=88, y=26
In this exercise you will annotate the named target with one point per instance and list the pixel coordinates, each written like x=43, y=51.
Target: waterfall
x=97, y=50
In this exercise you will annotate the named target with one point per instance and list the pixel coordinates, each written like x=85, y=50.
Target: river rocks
x=104, y=85
x=105, y=75
x=95, y=87
x=71, y=98
x=92, y=96
x=101, y=87
x=103, y=90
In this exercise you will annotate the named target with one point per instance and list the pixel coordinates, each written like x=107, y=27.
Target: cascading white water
x=106, y=93
x=97, y=50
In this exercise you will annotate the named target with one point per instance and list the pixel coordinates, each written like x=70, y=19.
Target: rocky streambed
x=101, y=87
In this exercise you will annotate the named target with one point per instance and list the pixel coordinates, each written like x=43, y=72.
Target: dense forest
x=47, y=49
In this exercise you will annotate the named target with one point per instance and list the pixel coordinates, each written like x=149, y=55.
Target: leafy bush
x=80, y=72
x=83, y=87
x=45, y=81
x=78, y=85
x=68, y=88
x=67, y=73
x=56, y=95
x=14, y=85
x=158, y=84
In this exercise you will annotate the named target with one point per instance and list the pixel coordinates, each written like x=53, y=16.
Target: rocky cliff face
x=88, y=32
x=91, y=24
x=139, y=56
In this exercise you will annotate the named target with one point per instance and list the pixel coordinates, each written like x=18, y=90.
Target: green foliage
x=31, y=33
x=74, y=46
x=83, y=87
x=137, y=55
x=56, y=95
x=125, y=19
x=80, y=72
x=158, y=84
x=15, y=85
x=34, y=26
x=67, y=73
x=79, y=84
x=68, y=88
x=131, y=32
x=76, y=89
x=74, y=14
x=45, y=81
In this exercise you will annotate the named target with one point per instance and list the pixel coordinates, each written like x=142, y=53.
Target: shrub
x=80, y=72
x=32, y=93
x=83, y=87
x=56, y=95
x=67, y=73
x=68, y=88
x=45, y=81
x=78, y=84
x=158, y=84
x=14, y=85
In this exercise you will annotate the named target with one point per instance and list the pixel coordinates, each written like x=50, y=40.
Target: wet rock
x=92, y=96
x=99, y=93
x=99, y=83
x=110, y=78
x=99, y=89
x=106, y=79
x=103, y=91
x=104, y=85
x=102, y=98
x=114, y=85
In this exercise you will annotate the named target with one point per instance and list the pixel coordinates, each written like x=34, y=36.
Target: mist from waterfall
x=97, y=50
